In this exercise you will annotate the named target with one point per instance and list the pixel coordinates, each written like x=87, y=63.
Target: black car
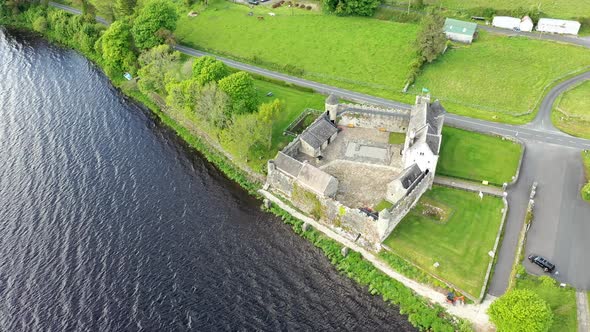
x=542, y=262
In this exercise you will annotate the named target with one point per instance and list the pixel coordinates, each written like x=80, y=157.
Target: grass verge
x=460, y=245
x=571, y=112
x=473, y=156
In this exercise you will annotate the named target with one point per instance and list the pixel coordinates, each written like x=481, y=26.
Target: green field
x=504, y=76
x=460, y=244
x=363, y=54
x=562, y=302
x=571, y=112
x=478, y=157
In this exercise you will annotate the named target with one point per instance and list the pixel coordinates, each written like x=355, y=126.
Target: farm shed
x=526, y=24
x=558, y=26
x=460, y=31
x=506, y=22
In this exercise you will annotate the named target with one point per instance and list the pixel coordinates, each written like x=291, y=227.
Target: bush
x=586, y=192
x=521, y=310
x=40, y=24
x=308, y=7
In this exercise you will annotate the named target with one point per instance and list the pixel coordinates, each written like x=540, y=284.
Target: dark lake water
x=108, y=223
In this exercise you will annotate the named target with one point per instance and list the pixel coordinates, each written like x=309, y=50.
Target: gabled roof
x=288, y=164
x=410, y=175
x=319, y=132
x=459, y=27
x=434, y=118
x=315, y=179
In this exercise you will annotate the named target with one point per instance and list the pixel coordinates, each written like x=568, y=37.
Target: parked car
x=546, y=265
x=253, y=2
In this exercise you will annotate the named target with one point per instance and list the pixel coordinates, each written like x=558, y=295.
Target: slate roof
x=410, y=175
x=433, y=142
x=288, y=164
x=332, y=100
x=319, y=132
x=459, y=27
x=434, y=118
x=314, y=178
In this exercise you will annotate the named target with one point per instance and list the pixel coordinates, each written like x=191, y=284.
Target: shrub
x=308, y=7
x=586, y=192
x=40, y=24
x=521, y=310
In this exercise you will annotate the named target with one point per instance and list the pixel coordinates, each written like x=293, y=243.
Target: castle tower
x=332, y=107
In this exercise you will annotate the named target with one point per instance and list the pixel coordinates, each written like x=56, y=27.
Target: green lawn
x=561, y=300
x=478, y=157
x=571, y=112
x=586, y=160
x=363, y=54
x=460, y=245
x=397, y=138
x=383, y=205
x=499, y=78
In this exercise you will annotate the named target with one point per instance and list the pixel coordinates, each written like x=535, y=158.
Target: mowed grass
x=397, y=138
x=571, y=112
x=561, y=300
x=586, y=161
x=460, y=245
x=363, y=54
x=499, y=78
x=478, y=157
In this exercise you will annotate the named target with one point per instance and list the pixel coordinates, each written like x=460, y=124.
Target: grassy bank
x=454, y=228
x=571, y=112
x=473, y=156
x=499, y=78
x=561, y=300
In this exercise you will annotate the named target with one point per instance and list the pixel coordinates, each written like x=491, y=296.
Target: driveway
x=561, y=225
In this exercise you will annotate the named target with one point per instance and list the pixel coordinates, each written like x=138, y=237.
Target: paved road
x=76, y=12
x=560, y=231
x=543, y=118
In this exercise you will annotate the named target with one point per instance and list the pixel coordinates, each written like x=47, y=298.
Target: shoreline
x=237, y=174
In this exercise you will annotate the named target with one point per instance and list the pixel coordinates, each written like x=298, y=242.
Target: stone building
x=343, y=166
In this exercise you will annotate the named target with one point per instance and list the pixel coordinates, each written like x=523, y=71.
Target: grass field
x=571, y=112
x=460, y=245
x=562, y=302
x=586, y=161
x=397, y=138
x=477, y=157
x=498, y=78
x=363, y=54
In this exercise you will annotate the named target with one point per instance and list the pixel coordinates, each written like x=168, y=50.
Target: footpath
x=583, y=313
x=468, y=185
x=475, y=313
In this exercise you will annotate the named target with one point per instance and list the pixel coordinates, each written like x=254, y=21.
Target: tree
x=105, y=8
x=213, y=105
x=586, y=192
x=431, y=39
x=124, y=7
x=267, y=115
x=115, y=47
x=155, y=65
x=240, y=88
x=208, y=69
x=244, y=134
x=40, y=24
x=155, y=15
x=521, y=310
x=351, y=7
x=183, y=95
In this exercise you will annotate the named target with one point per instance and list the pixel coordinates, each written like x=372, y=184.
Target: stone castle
x=360, y=168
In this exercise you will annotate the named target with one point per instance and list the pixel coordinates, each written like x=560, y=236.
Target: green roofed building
x=460, y=31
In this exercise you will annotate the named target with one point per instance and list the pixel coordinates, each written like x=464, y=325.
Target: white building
x=506, y=22
x=558, y=26
x=526, y=24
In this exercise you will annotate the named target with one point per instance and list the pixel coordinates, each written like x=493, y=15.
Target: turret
x=332, y=107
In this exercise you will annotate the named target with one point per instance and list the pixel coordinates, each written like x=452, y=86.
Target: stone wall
x=292, y=149
x=397, y=123
x=398, y=212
